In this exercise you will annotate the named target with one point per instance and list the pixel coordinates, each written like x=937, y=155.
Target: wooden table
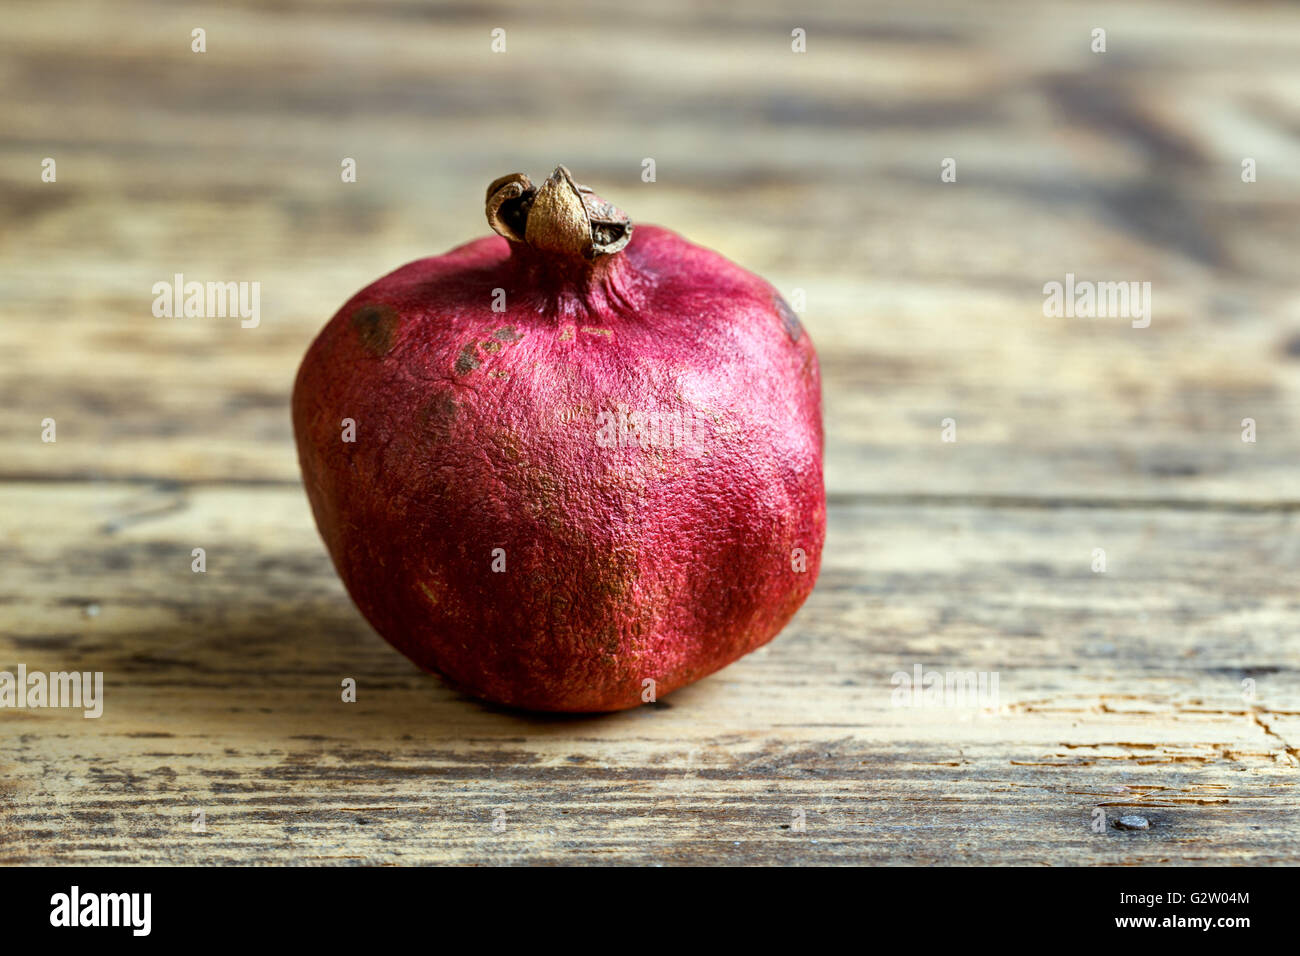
x=1120, y=690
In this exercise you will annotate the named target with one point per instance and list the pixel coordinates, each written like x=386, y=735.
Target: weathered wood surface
x=821, y=171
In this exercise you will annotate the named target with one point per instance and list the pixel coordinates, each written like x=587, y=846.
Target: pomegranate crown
x=558, y=216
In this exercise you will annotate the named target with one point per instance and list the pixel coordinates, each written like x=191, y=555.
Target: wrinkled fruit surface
x=615, y=480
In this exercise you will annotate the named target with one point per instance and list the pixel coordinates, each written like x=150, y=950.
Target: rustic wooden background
x=1120, y=690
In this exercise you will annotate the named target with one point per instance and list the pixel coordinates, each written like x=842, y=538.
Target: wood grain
x=1117, y=690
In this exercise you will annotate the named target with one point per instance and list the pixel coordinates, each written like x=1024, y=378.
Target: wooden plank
x=1119, y=690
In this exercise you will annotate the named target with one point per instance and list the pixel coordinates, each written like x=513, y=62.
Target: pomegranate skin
x=506, y=520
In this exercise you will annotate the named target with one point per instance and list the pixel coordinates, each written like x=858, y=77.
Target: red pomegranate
x=570, y=467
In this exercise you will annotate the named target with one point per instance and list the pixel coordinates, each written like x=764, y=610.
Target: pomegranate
x=570, y=467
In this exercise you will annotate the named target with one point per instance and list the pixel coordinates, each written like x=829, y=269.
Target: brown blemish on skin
x=566, y=334
x=375, y=324
x=491, y=347
x=590, y=331
x=507, y=334
x=790, y=321
x=438, y=415
x=467, y=361
x=511, y=447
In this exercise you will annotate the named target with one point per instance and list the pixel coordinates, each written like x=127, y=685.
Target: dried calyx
x=559, y=216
